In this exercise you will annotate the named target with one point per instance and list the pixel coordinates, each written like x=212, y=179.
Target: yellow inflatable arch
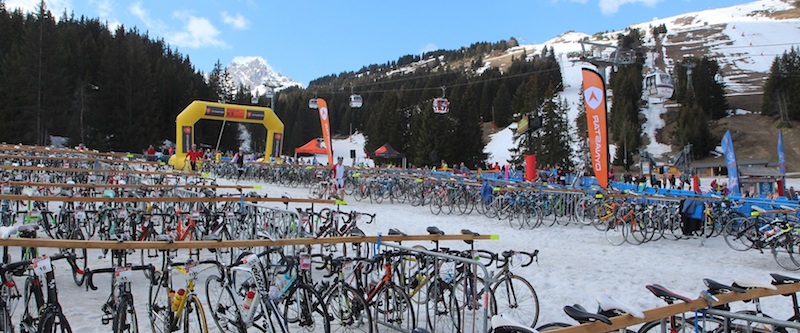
x=184, y=126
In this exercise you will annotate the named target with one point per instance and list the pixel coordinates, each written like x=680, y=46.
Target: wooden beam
x=162, y=199
x=675, y=309
x=76, y=159
x=34, y=184
x=77, y=170
x=134, y=245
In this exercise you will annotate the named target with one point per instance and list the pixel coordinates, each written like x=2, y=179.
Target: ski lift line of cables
x=338, y=92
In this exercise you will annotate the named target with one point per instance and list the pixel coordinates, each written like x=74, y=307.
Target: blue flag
x=730, y=162
x=781, y=156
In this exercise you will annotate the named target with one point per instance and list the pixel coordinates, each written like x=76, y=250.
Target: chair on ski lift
x=312, y=104
x=658, y=84
x=441, y=105
x=356, y=101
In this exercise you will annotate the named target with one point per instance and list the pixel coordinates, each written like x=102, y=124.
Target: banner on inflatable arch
x=730, y=163
x=325, y=122
x=594, y=97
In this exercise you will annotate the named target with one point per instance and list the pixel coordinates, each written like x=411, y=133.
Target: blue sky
x=307, y=39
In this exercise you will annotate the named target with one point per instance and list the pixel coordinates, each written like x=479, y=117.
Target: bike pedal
x=105, y=320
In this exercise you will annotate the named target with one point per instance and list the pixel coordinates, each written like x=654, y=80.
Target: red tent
x=313, y=147
x=386, y=151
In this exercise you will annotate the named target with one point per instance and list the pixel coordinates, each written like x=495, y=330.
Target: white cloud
x=429, y=47
x=198, y=32
x=611, y=7
x=237, y=22
x=56, y=7
x=142, y=14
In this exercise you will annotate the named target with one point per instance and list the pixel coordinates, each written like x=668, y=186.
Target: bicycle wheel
x=673, y=324
x=125, y=318
x=81, y=260
x=53, y=321
x=158, y=307
x=442, y=308
x=740, y=233
x=194, y=318
x=222, y=306
x=469, y=302
x=349, y=312
x=393, y=308
x=304, y=307
x=783, y=250
x=513, y=296
x=616, y=232
x=33, y=300
x=5, y=318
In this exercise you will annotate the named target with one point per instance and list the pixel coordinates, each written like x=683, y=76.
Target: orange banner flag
x=325, y=122
x=594, y=97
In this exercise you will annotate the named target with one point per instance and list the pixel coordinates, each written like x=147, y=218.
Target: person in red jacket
x=151, y=153
x=194, y=154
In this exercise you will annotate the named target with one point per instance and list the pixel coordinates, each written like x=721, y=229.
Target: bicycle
x=119, y=307
x=171, y=310
x=40, y=315
x=252, y=300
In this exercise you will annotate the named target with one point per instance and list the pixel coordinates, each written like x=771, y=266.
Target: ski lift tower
x=619, y=57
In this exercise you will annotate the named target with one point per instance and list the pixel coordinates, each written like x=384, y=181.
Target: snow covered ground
x=575, y=264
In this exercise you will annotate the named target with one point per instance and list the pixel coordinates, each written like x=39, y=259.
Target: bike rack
x=751, y=318
x=487, y=276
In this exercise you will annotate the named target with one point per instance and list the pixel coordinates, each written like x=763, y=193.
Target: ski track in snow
x=575, y=264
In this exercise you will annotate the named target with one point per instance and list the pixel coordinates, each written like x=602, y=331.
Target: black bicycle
x=40, y=315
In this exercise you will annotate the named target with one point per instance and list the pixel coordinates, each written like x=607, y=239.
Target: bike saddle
x=356, y=232
x=502, y=324
x=666, y=295
x=468, y=232
x=608, y=303
x=393, y=231
x=165, y=238
x=434, y=231
x=778, y=279
x=580, y=315
x=716, y=288
x=752, y=284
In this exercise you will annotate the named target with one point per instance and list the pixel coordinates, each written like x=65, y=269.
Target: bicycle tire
x=615, y=234
x=442, y=314
x=304, y=307
x=739, y=234
x=125, y=320
x=394, y=309
x=5, y=318
x=350, y=314
x=515, y=297
x=194, y=318
x=33, y=299
x=81, y=259
x=222, y=305
x=158, y=306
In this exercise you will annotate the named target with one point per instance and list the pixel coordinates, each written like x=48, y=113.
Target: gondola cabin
x=356, y=101
x=441, y=105
x=658, y=85
x=312, y=104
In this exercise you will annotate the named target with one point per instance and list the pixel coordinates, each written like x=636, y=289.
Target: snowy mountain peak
x=254, y=72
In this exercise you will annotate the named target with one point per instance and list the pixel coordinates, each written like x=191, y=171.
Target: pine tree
x=501, y=107
x=779, y=98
